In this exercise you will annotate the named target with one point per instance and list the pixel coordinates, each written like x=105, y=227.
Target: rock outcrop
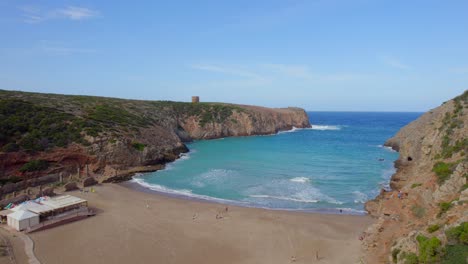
x=431, y=178
x=109, y=138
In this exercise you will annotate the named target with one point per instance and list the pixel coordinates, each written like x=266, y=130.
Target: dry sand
x=137, y=227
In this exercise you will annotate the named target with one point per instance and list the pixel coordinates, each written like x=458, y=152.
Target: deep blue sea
x=339, y=163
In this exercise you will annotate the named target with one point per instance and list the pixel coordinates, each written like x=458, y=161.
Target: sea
x=334, y=166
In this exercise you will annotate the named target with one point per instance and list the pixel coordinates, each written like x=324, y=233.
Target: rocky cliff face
x=431, y=177
x=46, y=133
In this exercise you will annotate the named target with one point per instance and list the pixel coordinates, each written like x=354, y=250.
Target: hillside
x=429, y=223
x=85, y=135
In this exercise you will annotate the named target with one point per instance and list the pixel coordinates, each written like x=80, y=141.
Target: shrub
x=444, y=207
x=443, y=170
x=395, y=253
x=10, y=147
x=138, y=146
x=455, y=254
x=414, y=185
x=409, y=258
x=418, y=211
x=34, y=165
x=458, y=234
x=430, y=250
x=433, y=228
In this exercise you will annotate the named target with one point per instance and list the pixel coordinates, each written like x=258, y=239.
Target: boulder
x=48, y=191
x=71, y=186
x=89, y=181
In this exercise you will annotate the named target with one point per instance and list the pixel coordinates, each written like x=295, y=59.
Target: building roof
x=39, y=208
x=62, y=201
x=5, y=212
x=23, y=206
x=21, y=215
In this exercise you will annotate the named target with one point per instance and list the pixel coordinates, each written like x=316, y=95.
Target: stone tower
x=195, y=99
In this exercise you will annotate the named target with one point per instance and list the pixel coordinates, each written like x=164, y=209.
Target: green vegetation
x=451, y=122
x=206, y=112
x=418, y=211
x=33, y=128
x=409, y=258
x=458, y=234
x=138, y=146
x=414, y=185
x=443, y=170
x=34, y=165
x=455, y=254
x=457, y=250
x=395, y=253
x=444, y=207
x=433, y=228
x=430, y=249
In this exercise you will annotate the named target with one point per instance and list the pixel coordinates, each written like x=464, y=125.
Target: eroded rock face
x=437, y=136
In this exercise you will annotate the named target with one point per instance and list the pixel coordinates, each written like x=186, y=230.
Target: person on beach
x=399, y=194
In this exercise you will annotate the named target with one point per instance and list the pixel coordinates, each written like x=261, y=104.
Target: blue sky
x=321, y=55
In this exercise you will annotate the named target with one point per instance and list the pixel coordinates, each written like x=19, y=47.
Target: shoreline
x=140, y=227
x=130, y=184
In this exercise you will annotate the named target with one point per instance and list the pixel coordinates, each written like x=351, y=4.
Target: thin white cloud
x=265, y=73
x=225, y=70
x=301, y=71
x=395, y=63
x=76, y=13
x=34, y=14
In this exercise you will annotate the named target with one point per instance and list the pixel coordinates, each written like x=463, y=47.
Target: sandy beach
x=138, y=227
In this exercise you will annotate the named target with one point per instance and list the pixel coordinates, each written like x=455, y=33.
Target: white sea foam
x=360, y=197
x=300, y=179
x=283, y=198
x=325, y=127
x=212, y=177
x=386, y=148
x=179, y=192
x=312, y=127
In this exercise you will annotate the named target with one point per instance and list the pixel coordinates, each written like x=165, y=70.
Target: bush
x=443, y=170
x=444, y=207
x=395, y=253
x=409, y=258
x=433, y=228
x=34, y=165
x=430, y=250
x=418, y=211
x=458, y=234
x=414, y=185
x=455, y=254
x=138, y=146
x=10, y=147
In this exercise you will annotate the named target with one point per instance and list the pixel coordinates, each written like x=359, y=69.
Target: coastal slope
x=431, y=180
x=80, y=136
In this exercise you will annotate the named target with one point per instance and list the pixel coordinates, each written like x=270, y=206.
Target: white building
x=21, y=220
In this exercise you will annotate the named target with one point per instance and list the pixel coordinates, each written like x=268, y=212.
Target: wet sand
x=139, y=227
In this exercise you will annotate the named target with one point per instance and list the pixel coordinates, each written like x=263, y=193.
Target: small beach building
x=21, y=220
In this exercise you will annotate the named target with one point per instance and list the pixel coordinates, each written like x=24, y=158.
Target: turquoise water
x=339, y=163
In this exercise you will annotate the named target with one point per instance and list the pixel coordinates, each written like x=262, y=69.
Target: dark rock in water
x=381, y=159
x=89, y=182
x=71, y=186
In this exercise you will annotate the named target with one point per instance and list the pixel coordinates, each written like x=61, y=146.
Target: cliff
x=432, y=172
x=106, y=137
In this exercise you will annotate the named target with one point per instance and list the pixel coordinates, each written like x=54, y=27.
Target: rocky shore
x=429, y=196
x=76, y=137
